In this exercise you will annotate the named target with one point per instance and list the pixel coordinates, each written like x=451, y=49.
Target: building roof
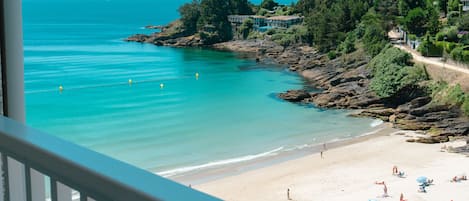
x=284, y=17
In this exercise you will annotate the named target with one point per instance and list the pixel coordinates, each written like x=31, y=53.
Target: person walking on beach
x=385, y=189
x=395, y=171
x=322, y=156
x=288, y=194
x=402, y=197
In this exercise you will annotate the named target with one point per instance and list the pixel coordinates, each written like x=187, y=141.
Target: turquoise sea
x=230, y=114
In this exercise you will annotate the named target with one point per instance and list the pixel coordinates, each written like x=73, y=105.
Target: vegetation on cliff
x=394, y=76
x=209, y=19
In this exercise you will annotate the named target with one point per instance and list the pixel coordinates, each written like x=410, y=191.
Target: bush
x=430, y=49
x=392, y=75
x=389, y=56
x=448, y=95
x=440, y=36
x=465, y=106
x=348, y=45
x=444, y=94
x=332, y=55
x=412, y=37
x=453, y=17
x=447, y=46
x=271, y=32
x=460, y=54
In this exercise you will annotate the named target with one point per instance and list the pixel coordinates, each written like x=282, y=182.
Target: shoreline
x=349, y=171
x=209, y=174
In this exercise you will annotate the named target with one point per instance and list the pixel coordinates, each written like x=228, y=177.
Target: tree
x=406, y=5
x=453, y=5
x=388, y=9
x=269, y=4
x=415, y=21
x=392, y=74
x=463, y=23
x=374, y=32
x=190, y=14
x=214, y=13
x=443, y=6
x=240, y=7
x=304, y=6
x=322, y=25
x=246, y=27
x=433, y=19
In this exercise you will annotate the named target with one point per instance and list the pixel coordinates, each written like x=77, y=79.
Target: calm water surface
x=229, y=114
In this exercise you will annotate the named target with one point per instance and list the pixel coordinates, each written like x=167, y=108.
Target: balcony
x=93, y=176
x=36, y=166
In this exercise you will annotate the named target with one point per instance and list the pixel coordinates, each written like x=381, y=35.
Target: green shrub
x=448, y=95
x=455, y=95
x=447, y=46
x=271, y=32
x=440, y=36
x=389, y=56
x=412, y=37
x=332, y=55
x=442, y=93
x=430, y=49
x=453, y=17
x=392, y=73
x=348, y=45
x=465, y=106
x=460, y=54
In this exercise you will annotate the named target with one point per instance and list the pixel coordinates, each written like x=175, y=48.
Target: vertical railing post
x=37, y=186
x=13, y=91
x=16, y=182
x=59, y=191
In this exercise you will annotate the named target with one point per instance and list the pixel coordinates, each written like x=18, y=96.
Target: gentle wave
x=376, y=123
x=176, y=171
x=274, y=152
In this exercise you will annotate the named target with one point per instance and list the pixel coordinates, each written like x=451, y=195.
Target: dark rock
x=411, y=125
x=416, y=103
x=137, y=38
x=294, y=95
x=433, y=140
x=437, y=116
x=428, y=109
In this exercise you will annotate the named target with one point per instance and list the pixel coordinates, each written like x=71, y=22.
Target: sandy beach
x=349, y=172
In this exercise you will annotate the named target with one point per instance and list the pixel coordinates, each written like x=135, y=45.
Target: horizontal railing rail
x=93, y=175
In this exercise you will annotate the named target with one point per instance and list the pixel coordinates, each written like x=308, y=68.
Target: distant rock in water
x=294, y=95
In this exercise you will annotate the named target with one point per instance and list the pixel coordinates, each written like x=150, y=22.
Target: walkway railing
x=69, y=166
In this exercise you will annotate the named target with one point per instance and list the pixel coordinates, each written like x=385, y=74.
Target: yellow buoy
x=161, y=85
x=130, y=81
x=61, y=88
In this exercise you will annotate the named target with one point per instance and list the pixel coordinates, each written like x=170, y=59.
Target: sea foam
x=182, y=170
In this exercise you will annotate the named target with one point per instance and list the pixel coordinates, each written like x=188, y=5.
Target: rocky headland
x=344, y=84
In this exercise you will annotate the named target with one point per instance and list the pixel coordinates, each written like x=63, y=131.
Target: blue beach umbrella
x=422, y=179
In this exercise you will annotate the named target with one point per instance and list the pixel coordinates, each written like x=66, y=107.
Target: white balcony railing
x=94, y=176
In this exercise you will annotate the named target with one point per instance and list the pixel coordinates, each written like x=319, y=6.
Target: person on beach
x=402, y=197
x=394, y=170
x=385, y=189
x=324, y=146
x=288, y=194
x=322, y=156
x=380, y=183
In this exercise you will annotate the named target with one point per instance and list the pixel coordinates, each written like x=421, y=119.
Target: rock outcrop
x=295, y=95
